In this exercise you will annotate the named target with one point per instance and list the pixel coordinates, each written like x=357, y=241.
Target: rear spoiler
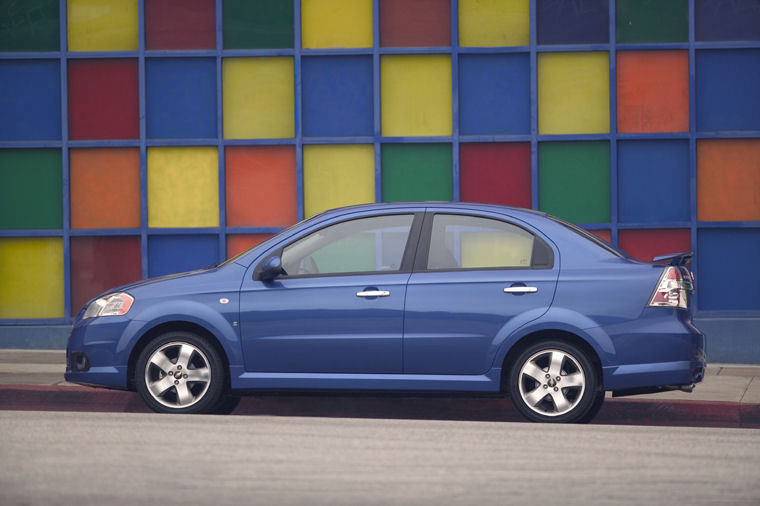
x=676, y=259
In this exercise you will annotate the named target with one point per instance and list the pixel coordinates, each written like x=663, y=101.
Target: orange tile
x=261, y=186
x=604, y=235
x=240, y=242
x=105, y=187
x=728, y=180
x=653, y=91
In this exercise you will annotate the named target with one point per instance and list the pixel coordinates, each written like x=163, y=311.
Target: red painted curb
x=615, y=411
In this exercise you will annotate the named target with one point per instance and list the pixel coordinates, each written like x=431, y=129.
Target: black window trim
x=407, y=258
x=420, y=260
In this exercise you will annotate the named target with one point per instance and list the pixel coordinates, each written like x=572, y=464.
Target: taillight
x=672, y=288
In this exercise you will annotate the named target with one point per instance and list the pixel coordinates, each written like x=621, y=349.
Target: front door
x=338, y=306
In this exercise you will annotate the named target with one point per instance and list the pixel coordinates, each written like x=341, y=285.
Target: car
x=409, y=298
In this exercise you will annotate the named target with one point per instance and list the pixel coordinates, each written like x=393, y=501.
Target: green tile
x=258, y=24
x=652, y=21
x=574, y=180
x=30, y=189
x=414, y=172
x=29, y=25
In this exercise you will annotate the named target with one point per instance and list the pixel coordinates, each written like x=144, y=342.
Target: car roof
x=461, y=206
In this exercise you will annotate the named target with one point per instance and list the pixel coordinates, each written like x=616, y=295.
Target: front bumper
x=93, y=354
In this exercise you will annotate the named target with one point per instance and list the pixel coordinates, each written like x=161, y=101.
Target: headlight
x=114, y=304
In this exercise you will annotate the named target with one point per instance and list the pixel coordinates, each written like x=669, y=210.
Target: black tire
x=227, y=405
x=181, y=372
x=537, y=389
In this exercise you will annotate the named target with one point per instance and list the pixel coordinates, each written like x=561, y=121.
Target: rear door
x=476, y=279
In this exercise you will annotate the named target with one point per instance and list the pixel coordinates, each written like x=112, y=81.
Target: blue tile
x=181, y=98
x=728, y=269
x=727, y=89
x=337, y=96
x=653, y=181
x=494, y=94
x=168, y=254
x=30, y=100
x=573, y=22
x=716, y=20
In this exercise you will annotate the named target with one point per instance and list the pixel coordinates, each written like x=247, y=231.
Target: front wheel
x=180, y=372
x=554, y=381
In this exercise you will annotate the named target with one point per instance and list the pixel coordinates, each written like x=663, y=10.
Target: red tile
x=103, y=99
x=495, y=173
x=646, y=244
x=101, y=263
x=180, y=24
x=416, y=23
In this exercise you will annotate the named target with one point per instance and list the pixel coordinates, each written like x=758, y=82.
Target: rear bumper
x=666, y=353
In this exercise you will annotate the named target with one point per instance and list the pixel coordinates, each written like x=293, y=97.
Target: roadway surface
x=133, y=458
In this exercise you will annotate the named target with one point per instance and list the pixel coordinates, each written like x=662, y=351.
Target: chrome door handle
x=373, y=293
x=521, y=289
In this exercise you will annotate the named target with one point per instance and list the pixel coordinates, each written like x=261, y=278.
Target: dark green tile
x=30, y=189
x=258, y=24
x=574, y=180
x=414, y=172
x=652, y=21
x=29, y=25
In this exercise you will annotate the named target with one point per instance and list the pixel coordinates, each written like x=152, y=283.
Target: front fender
x=223, y=326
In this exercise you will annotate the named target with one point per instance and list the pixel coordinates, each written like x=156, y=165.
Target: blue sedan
x=421, y=297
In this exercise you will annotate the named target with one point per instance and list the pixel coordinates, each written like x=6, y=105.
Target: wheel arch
x=174, y=326
x=548, y=334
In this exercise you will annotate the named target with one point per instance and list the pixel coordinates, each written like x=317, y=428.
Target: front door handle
x=373, y=293
x=521, y=289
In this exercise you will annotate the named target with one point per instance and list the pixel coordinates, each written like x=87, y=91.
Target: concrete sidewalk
x=723, y=382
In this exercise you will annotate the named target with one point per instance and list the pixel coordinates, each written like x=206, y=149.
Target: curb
x=657, y=412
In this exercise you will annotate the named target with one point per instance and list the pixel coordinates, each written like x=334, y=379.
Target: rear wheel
x=180, y=372
x=554, y=381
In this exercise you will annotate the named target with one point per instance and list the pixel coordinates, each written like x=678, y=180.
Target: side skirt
x=241, y=380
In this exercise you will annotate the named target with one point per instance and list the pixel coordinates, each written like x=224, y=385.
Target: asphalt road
x=133, y=458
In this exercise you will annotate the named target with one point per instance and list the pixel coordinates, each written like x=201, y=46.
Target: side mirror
x=271, y=268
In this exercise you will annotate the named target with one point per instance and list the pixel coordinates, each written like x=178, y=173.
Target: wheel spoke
x=560, y=401
x=556, y=363
x=185, y=352
x=160, y=360
x=572, y=380
x=534, y=372
x=534, y=397
x=157, y=388
x=184, y=395
x=202, y=374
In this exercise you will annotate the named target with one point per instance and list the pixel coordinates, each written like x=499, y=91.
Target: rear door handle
x=373, y=293
x=521, y=289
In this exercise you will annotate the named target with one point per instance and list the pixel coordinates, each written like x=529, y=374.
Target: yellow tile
x=416, y=95
x=102, y=25
x=336, y=23
x=573, y=93
x=489, y=23
x=31, y=277
x=337, y=175
x=183, y=187
x=258, y=98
